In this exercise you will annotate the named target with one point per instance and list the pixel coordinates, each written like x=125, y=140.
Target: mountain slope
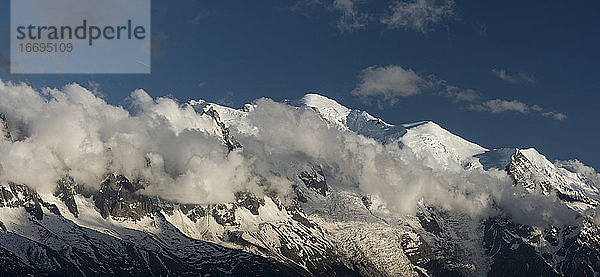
x=275, y=189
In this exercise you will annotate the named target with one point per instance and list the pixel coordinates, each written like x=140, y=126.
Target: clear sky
x=499, y=73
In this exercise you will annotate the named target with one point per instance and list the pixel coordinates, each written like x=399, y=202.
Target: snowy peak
x=532, y=171
x=430, y=128
x=537, y=159
x=357, y=121
x=427, y=139
x=536, y=173
x=226, y=114
x=439, y=146
x=330, y=110
x=221, y=116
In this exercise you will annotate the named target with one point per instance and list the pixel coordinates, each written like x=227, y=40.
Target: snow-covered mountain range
x=276, y=189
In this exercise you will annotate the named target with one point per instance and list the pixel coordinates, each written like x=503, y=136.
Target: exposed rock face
x=4, y=131
x=553, y=250
x=228, y=139
x=422, y=255
x=249, y=201
x=91, y=252
x=193, y=212
x=504, y=242
x=66, y=190
x=314, y=179
x=520, y=169
x=300, y=244
x=565, y=251
x=15, y=195
x=50, y=244
x=117, y=197
x=536, y=174
x=77, y=251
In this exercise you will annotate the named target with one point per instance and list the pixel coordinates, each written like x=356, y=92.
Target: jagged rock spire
x=4, y=131
x=228, y=139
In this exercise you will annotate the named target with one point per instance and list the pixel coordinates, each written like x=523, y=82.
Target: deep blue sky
x=236, y=51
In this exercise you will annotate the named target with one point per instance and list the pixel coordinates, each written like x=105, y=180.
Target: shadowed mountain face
x=42, y=241
x=327, y=191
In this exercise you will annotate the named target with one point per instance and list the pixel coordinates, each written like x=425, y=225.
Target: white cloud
x=578, y=167
x=393, y=82
x=500, y=106
x=390, y=82
x=448, y=90
x=72, y=131
x=467, y=95
x=589, y=174
x=418, y=15
x=555, y=115
x=94, y=88
x=519, y=78
x=496, y=106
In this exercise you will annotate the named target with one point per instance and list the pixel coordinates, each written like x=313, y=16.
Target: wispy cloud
x=201, y=16
x=418, y=15
x=351, y=19
x=555, y=115
x=457, y=94
x=467, y=95
x=355, y=15
x=497, y=106
x=519, y=78
x=95, y=89
x=391, y=82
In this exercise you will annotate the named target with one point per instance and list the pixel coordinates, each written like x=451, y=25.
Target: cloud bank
x=178, y=152
x=71, y=131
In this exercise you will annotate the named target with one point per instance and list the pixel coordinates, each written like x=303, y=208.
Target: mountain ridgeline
x=364, y=198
